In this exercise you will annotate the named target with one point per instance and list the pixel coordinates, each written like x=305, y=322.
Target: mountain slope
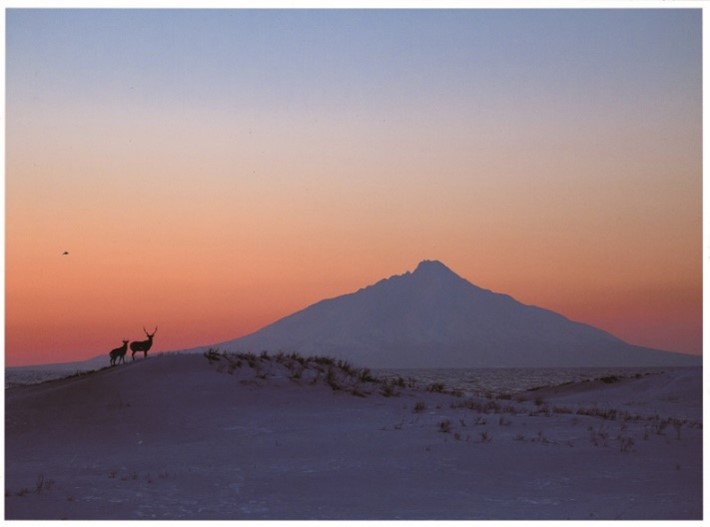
x=434, y=318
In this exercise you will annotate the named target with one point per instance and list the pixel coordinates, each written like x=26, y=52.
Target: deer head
x=150, y=335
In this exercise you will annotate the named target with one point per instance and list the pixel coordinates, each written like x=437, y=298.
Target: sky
x=211, y=171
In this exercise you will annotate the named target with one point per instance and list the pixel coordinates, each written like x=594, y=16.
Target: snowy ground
x=184, y=437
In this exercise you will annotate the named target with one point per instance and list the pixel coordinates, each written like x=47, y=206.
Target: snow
x=181, y=436
x=433, y=318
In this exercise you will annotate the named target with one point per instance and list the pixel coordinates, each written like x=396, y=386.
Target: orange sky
x=210, y=189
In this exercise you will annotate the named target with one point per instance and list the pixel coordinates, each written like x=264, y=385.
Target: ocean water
x=499, y=381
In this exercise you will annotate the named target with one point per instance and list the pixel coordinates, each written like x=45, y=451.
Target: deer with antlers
x=143, y=345
x=119, y=353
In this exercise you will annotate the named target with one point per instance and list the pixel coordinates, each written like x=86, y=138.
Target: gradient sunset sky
x=210, y=171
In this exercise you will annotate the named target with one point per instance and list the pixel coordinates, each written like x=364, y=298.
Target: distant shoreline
x=529, y=378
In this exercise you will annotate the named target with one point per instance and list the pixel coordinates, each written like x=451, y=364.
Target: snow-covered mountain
x=433, y=318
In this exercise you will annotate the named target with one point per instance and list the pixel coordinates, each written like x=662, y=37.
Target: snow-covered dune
x=243, y=437
x=675, y=393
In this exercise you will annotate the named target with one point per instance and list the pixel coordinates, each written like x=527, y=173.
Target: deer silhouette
x=143, y=345
x=119, y=353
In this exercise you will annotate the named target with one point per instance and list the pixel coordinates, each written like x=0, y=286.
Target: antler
x=148, y=334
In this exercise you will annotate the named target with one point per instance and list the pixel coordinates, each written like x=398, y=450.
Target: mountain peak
x=432, y=266
x=435, y=272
